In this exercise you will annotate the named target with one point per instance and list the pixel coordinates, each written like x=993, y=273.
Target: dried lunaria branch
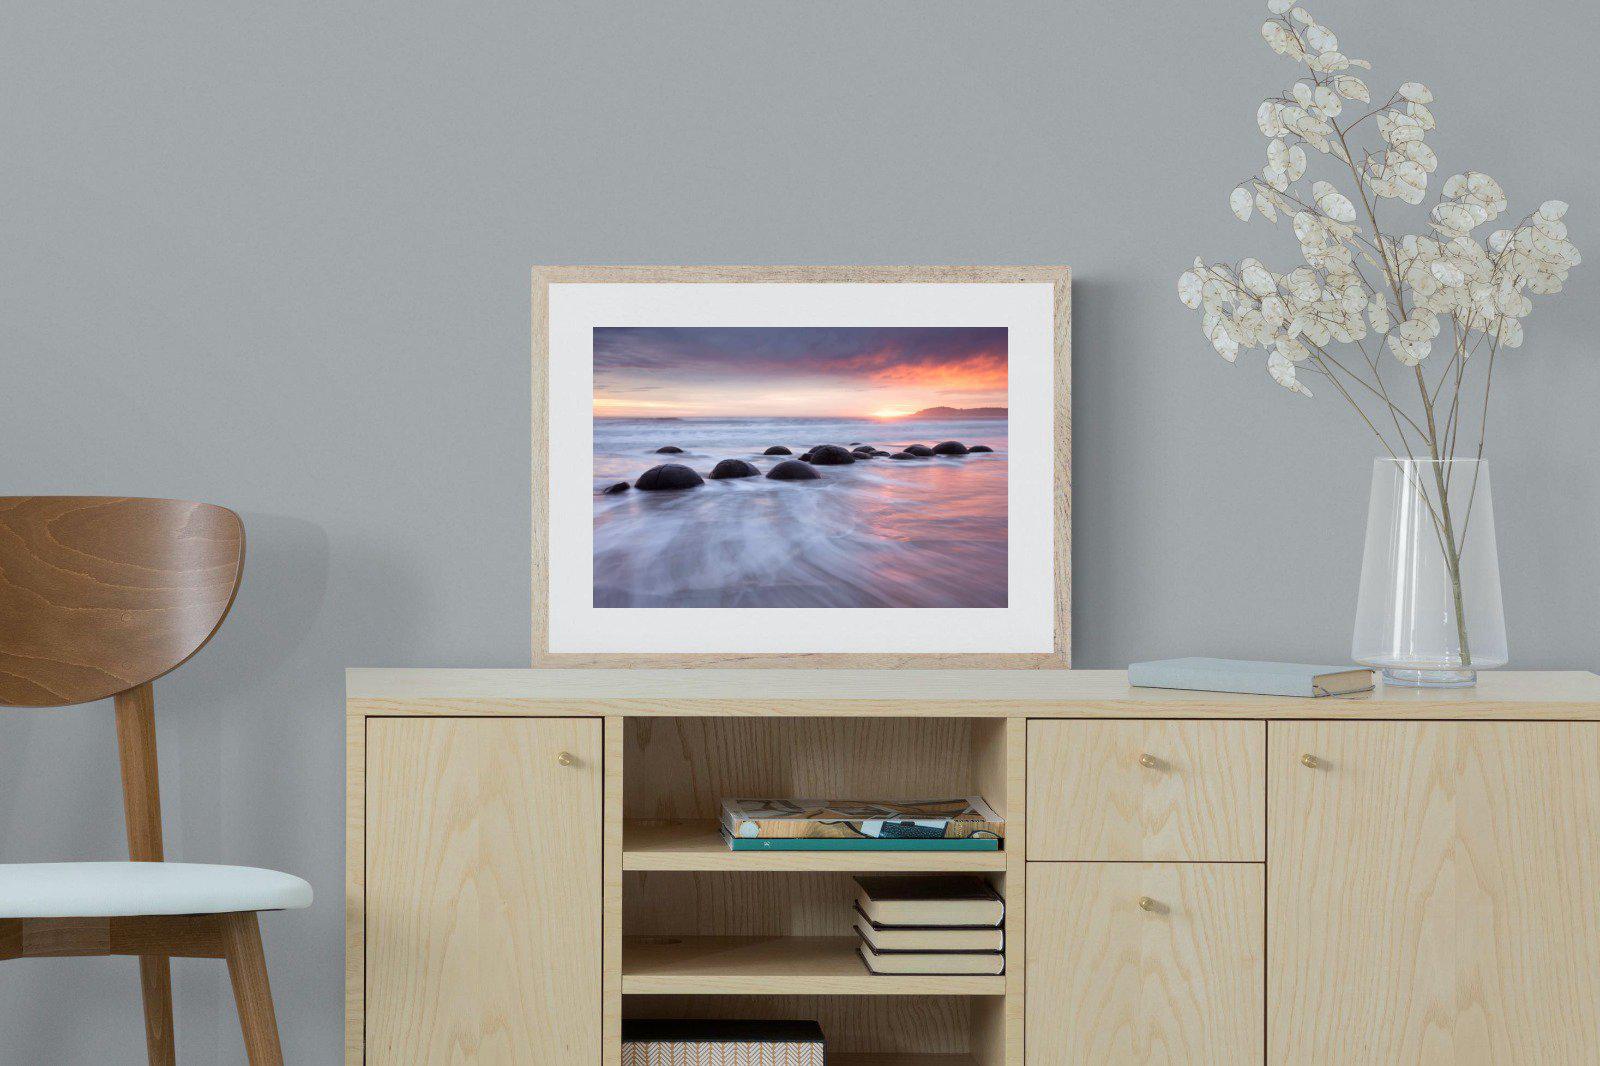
x=1440, y=296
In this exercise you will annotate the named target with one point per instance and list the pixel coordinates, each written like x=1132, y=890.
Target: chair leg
x=155, y=983
x=247, y=965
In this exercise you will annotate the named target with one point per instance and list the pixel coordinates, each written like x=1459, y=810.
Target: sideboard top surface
x=1570, y=694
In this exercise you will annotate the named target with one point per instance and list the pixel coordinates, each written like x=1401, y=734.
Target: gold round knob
x=565, y=758
x=1310, y=761
x=1148, y=904
x=1149, y=762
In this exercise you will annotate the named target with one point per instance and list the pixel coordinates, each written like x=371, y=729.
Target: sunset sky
x=795, y=371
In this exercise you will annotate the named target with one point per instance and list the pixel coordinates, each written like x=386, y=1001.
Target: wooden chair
x=99, y=597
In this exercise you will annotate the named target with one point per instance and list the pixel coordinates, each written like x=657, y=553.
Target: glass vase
x=1429, y=610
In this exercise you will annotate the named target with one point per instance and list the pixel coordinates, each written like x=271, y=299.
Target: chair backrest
x=102, y=594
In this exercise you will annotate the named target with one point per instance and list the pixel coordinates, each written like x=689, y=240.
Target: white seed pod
x=1269, y=119
x=1352, y=88
x=1278, y=154
x=1242, y=203
x=1223, y=341
x=1421, y=155
x=1297, y=162
x=1256, y=279
x=1553, y=210
x=1410, y=353
x=1189, y=289
x=1283, y=372
x=1322, y=39
x=1337, y=205
x=1416, y=92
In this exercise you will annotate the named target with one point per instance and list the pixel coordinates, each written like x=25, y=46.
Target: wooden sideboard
x=1399, y=877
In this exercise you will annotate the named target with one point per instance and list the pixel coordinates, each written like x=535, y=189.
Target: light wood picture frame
x=590, y=299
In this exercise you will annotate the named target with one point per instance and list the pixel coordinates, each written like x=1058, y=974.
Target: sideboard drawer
x=1147, y=791
x=1146, y=962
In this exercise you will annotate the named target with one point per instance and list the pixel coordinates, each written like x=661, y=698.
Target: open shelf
x=774, y=965
x=698, y=845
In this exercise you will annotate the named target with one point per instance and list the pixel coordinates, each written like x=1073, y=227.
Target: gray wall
x=276, y=256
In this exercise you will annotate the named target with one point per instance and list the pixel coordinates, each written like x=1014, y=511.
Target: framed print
x=801, y=466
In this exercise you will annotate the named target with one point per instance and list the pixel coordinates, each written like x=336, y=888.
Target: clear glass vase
x=1429, y=610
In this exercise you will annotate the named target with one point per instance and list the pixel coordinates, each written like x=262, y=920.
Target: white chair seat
x=112, y=889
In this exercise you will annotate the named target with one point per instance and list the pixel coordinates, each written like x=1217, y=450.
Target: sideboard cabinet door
x=1434, y=892
x=483, y=890
x=1144, y=962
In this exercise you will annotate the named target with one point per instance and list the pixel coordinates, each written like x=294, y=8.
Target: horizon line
x=867, y=417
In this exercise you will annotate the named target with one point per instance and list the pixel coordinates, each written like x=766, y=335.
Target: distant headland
x=955, y=413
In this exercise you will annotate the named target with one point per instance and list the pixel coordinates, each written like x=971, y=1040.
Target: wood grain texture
x=681, y=768
x=909, y=1026
x=1203, y=800
x=483, y=925
x=740, y=904
x=774, y=965
x=1433, y=893
x=1181, y=983
x=252, y=992
x=101, y=594
x=1057, y=276
x=141, y=806
x=190, y=936
x=1000, y=758
x=698, y=845
x=355, y=889
x=1570, y=695
x=611, y=911
x=895, y=1058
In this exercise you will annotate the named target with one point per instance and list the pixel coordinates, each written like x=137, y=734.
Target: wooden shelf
x=898, y=1058
x=774, y=965
x=699, y=846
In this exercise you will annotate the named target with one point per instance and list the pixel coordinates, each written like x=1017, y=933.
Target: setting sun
x=893, y=412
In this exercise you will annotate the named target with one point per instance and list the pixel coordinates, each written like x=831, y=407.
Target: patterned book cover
x=721, y=1043
x=747, y=819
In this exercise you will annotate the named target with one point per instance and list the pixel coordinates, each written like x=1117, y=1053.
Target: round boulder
x=777, y=449
x=667, y=476
x=669, y=449
x=793, y=470
x=919, y=449
x=615, y=490
x=831, y=455
x=976, y=448
x=902, y=455
x=733, y=468
x=950, y=447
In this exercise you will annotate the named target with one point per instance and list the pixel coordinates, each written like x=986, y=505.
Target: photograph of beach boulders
x=669, y=477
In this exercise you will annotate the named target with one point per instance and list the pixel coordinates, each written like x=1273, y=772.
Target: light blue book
x=1243, y=675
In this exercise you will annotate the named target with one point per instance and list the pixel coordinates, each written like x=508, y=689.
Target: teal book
x=1242, y=675
x=860, y=843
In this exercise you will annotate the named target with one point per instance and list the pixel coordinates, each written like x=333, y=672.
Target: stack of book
x=930, y=924
x=647, y=1042
x=966, y=824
